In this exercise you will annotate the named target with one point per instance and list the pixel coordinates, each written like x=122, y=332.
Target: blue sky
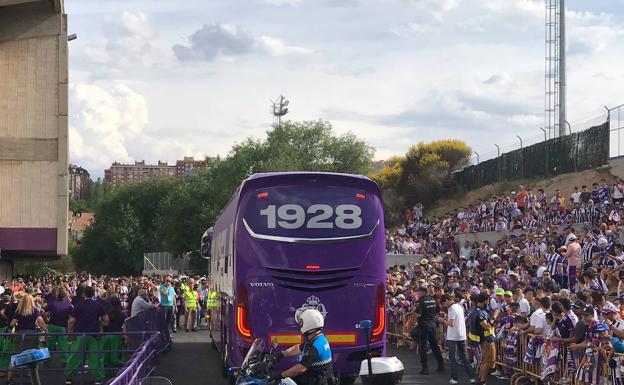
x=161, y=79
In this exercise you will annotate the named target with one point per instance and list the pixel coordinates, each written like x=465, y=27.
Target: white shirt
x=538, y=320
x=575, y=197
x=525, y=307
x=457, y=332
x=465, y=251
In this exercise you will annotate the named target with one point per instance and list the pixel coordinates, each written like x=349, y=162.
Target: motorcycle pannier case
x=386, y=371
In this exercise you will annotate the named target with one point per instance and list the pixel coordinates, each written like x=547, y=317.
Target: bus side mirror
x=206, y=244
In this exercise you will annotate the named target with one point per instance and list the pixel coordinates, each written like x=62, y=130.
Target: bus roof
x=311, y=173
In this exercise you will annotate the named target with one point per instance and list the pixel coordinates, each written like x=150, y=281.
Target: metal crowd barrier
x=112, y=361
x=145, y=336
x=400, y=325
x=563, y=370
x=151, y=320
x=140, y=365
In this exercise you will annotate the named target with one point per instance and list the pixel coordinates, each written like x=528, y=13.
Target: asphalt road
x=193, y=361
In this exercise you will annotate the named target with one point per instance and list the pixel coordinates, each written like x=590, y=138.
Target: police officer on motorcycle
x=315, y=357
x=427, y=310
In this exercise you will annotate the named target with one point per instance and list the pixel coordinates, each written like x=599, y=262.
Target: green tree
x=313, y=146
x=390, y=175
x=195, y=203
x=164, y=214
x=78, y=206
x=98, y=192
x=124, y=228
x=428, y=169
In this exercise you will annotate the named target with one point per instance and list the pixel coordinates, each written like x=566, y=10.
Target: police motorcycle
x=258, y=366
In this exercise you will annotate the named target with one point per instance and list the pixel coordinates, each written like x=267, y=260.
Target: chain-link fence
x=571, y=153
x=164, y=262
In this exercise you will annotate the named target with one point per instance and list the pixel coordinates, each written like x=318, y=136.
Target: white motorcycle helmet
x=309, y=319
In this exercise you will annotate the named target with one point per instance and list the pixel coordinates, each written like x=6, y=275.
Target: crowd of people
x=520, y=210
x=555, y=276
x=39, y=311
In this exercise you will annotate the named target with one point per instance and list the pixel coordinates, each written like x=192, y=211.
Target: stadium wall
x=33, y=129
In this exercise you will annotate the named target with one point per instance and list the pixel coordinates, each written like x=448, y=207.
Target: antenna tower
x=279, y=108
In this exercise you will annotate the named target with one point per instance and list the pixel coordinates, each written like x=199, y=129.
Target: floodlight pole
x=562, y=68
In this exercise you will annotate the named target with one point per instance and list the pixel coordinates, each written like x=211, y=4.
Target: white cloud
x=276, y=47
x=284, y=2
x=467, y=69
x=214, y=41
x=127, y=43
x=412, y=28
x=110, y=124
x=228, y=41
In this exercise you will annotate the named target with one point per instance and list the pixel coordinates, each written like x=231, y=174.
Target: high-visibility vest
x=190, y=297
x=212, y=299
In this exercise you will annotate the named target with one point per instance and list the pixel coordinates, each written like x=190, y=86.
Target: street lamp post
x=544, y=131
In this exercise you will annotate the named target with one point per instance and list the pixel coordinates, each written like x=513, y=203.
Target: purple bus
x=292, y=240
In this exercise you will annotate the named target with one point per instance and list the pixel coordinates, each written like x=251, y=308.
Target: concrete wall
x=401, y=259
x=495, y=236
x=33, y=128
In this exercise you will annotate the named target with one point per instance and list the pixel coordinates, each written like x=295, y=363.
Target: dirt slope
x=565, y=183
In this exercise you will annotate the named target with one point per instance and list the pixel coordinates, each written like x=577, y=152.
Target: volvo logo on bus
x=261, y=284
x=314, y=302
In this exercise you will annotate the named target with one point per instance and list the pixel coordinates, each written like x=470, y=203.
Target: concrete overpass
x=33, y=130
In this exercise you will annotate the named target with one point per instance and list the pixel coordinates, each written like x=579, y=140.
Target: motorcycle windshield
x=255, y=350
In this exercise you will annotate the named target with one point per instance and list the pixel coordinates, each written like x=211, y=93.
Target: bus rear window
x=311, y=212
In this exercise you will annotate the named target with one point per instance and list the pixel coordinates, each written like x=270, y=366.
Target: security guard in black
x=426, y=310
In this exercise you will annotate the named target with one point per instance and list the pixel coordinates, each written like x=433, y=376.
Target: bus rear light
x=263, y=195
x=380, y=314
x=243, y=318
x=242, y=322
x=360, y=196
x=313, y=267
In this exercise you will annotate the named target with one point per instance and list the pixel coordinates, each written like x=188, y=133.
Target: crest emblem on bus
x=314, y=302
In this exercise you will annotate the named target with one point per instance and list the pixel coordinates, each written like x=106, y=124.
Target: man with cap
x=583, y=342
x=588, y=250
x=426, y=311
x=496, y=302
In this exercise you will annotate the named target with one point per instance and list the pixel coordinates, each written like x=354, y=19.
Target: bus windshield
x=309, y=213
